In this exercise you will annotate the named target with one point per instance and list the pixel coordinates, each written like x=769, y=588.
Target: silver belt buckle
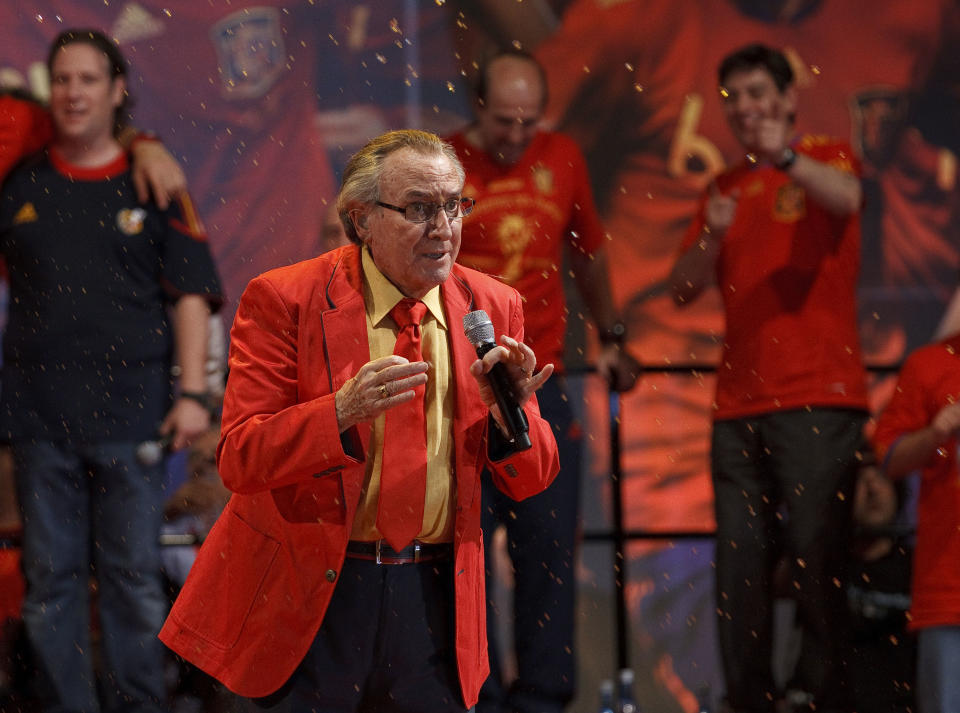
x=416, y=552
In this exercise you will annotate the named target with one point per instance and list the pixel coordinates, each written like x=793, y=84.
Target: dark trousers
x=92, y=505
x=541, y=541
x=783, y=485
x=386, y=644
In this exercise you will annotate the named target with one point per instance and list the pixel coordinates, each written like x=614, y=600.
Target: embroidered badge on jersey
x=26, y=214
x=130, y=220
x=790, y=205
x=250, y=50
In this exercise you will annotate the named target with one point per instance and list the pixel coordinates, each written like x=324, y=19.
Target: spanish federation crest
x=790, y=204
x=130, y=220
x=250, y=50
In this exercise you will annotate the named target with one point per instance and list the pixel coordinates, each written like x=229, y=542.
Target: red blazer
x=257, y=594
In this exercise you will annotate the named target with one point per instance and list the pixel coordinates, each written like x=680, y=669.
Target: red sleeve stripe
x=191, y=224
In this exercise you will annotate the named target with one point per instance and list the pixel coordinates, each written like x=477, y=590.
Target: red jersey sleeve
x=586, y=229
x=24, y=128
x=837, y=154
x=909, y=409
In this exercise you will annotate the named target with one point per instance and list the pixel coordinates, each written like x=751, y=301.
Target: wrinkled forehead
x=411, y=173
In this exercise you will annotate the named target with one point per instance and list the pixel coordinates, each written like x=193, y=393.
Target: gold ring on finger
x=383, y=391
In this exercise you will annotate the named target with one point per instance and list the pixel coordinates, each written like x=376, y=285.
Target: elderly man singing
x=346, y=574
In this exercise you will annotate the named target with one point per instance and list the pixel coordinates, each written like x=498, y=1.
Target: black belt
x=382, y=553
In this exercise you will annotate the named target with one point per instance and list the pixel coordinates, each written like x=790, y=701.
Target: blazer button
x=331, y=575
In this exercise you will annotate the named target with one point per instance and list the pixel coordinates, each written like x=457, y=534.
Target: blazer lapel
x=343, y=322
x=343, y=328
x=468, y=421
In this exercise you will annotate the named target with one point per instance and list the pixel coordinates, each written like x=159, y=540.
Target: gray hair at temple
x=361, y=177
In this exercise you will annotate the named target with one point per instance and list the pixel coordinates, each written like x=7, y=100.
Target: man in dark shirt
x=86, y=378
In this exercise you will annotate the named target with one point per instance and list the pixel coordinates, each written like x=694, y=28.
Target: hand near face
x=773, y=133
x=759, y=113
x=379, y=385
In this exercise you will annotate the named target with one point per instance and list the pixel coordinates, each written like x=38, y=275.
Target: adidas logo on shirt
x=26, y=214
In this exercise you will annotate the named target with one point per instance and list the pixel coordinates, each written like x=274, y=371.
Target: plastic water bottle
x=628, y=704
x=606, y=696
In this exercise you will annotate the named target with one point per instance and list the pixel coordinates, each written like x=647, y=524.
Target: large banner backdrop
x=263, y=101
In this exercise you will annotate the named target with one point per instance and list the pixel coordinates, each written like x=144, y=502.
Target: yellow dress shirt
x=380, y=296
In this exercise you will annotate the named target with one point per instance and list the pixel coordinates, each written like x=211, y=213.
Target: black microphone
x=479, y=330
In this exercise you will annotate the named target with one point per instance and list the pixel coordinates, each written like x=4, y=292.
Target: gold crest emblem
x=543, y=179
x=26, y=214
x=513, y=234
x=790, y=204
x=130, y=220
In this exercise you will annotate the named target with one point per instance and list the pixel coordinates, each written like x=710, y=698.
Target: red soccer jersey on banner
x=517, y=229
x=930, y=380
x=787, y=271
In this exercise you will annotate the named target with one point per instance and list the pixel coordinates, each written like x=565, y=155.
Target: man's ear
x=360, y=217
x=119, y=91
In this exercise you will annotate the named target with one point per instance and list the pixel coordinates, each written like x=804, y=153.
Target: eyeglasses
x=420, y=212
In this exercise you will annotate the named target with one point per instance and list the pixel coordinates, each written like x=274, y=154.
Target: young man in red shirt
x=781, y=234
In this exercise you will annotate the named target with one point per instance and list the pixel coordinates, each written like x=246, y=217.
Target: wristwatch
x=201, y=397
x=616, y=333
x=787, y=158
